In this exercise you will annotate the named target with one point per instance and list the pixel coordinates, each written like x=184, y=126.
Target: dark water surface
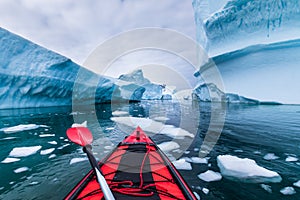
x=249, y=132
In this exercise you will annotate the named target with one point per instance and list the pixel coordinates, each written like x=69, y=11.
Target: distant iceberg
x=211, y=93
x=152, y=91
x=32, y=76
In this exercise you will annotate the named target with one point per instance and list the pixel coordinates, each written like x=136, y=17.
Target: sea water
x=37, y=161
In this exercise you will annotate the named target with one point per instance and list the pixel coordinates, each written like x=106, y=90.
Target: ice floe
x=47, y=151
x=76, y=160
x=182, y=164
x=246, y=170
x=161, y=119
x=52, y=156
x=21, y=127
x=291, y=159
x=152, y=126
x=205, y=190
x=197, y=195
x=63, y=146
x=83, y=124
x=52, y=142
x=21, y=169
x=24, y=151
x=266, y=187
x=196, y=160
x=168, y=146
x=210, y=176
x=270, y=156
x=46, y=135
x=288, y=191
x=119, y=113
x=10, y=160
x=297, y=184
x=8, y=138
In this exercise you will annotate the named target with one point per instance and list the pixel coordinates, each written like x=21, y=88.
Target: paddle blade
x=80, y=135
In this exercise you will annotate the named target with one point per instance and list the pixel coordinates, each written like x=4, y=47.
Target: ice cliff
x=32, y=76
x=255, y=44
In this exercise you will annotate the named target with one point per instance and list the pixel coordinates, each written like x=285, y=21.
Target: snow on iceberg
x=245, y=170
x=32, y=76
x=24, y=151
x=21, y=127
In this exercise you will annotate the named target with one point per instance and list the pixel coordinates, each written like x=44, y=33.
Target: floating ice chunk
x=297, y=184
x=152, y=126
x=199, y=160
x=21, y=169
x=168, y=146
x=24, y=151
x=270, y=156
x=63, y=146
x=210, y=175
x=76, y=160
x=83, y=124
x=288, y=191
x=291, y=159
x=10, y=160
x=205, y=190
x=197, y=195
x=52, y=142
x=246, y=170
x=8, y=138
x=161, y=119
x=47, y=151
x=46, y=135
x=21, y=127
x=182, y=164
x=119, y=113
x=266, y=187
x=34, y=183
x=52, y=156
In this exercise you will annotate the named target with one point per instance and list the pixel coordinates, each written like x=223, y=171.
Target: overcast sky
x=74, y=28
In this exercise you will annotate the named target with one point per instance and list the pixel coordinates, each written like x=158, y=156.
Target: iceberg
x=152, y=91
x=255, y=45
x=245, y=170
x=211, y=93
x=32, y=76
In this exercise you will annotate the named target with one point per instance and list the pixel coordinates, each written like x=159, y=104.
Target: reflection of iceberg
x=255, y=45
x=32, y=76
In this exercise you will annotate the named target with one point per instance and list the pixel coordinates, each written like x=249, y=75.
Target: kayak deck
x=136, y=169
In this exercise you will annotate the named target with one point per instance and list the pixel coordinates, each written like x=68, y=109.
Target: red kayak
x=135, y=169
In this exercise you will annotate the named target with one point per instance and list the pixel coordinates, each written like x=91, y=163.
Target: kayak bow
x=136, y=169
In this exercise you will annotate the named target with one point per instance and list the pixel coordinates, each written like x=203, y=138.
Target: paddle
x=83, y=137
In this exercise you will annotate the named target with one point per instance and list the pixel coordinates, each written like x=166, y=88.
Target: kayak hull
x=136, y=169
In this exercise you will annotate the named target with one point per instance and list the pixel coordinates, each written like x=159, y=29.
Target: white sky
x=74, y=28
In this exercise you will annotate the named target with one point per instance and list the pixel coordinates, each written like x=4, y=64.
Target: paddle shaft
x=103, y=184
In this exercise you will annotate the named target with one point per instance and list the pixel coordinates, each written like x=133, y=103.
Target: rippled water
x=249, y=132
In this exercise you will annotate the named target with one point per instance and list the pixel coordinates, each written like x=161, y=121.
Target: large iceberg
x=255, y=44
x=32, y=76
